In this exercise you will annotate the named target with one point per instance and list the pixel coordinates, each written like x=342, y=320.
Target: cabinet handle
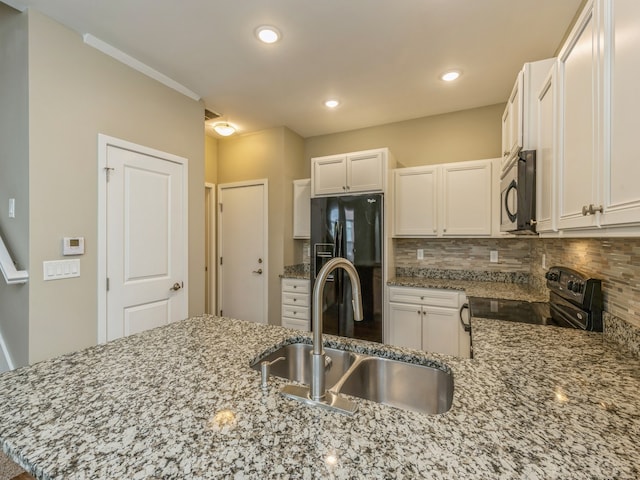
x=591, y=209
x=504, y=154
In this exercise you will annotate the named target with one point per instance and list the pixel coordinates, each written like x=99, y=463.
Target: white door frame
x=105, y=141
x=265, y=204
x=212, y=270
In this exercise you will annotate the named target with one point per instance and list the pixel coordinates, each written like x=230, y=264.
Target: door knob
x=176, y=287
x=259, y=271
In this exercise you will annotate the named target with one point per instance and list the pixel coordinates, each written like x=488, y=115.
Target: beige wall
x=14, y=176
x=271, y=154
x=77, y=92
x=451, y=137
x=210, y=159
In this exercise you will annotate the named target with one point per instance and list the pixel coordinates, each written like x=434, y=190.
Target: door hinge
x=221, y=313
x=107, y=171
x=107, y=284
x=220, y=207
x=220, y=260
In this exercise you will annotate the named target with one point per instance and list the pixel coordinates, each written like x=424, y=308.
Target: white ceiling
x=381, y=58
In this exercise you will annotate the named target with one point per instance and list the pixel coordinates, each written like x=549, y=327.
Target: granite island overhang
x=182, y=402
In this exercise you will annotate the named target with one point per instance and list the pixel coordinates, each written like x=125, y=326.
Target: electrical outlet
x=544, y=261
x=493, y=256
x=420, y=254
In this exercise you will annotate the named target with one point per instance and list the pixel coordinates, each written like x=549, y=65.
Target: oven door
x=509, y=200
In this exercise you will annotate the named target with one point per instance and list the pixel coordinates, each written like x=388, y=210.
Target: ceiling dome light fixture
x=331, y=103
x=451, y=76
x=268, y=34
x=225, y=129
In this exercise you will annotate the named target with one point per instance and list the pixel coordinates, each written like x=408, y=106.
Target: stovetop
x=534, y=313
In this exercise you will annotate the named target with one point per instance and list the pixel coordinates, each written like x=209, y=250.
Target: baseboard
x=6, y=363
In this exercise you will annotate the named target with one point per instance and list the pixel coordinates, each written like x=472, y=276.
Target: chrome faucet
x=318, y=391
x=317, y=394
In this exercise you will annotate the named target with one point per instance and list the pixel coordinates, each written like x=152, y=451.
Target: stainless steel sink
x=404, y=385
x=296, y=365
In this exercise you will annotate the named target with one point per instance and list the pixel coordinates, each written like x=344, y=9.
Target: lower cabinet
x=295, y=304
x=428, y=319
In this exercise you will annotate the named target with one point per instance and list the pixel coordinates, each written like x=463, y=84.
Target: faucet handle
x=264, y=371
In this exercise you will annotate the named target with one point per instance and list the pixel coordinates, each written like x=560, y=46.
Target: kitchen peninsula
x=181, y=402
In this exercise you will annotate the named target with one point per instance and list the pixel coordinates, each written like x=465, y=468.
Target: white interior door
x=210, y=247
x=242, y=228
x=146, y=240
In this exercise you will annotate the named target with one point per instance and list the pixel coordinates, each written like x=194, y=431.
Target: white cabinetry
x=349, y=173
x=546, y=155
x=579, y=123
x=519, y=120
x=415, y=201
x=621, y=166
x=427, y=319
x=453, y=199
x=467, y=198
x=301, y=208
x=295, y=303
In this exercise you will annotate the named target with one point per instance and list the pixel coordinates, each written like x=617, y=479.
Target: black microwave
x=518, y=195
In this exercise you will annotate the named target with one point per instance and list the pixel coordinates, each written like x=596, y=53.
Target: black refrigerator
x=349, y=226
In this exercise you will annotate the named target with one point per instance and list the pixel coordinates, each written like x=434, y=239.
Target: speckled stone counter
x=509, y=291
x=537, y=403
x=300, y=271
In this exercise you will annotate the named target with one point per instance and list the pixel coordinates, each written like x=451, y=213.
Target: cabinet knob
x=421, y=298
x=419, y=312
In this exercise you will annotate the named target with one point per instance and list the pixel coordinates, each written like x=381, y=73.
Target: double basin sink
x=403, y=385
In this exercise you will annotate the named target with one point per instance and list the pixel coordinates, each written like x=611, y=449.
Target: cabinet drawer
x=300, y=313
x=295, y=324
x=425, y=296
x=294, y=285
x=295, y=299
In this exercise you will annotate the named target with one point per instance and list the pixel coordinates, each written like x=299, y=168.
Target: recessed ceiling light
x=268, y=34
x=331, y=103
x=450, y=76
x=225, y=129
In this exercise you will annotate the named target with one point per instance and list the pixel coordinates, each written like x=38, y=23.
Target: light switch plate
x=59, y=269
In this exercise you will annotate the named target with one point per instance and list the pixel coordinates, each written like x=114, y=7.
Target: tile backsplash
x=615, y=260
x=514, y=254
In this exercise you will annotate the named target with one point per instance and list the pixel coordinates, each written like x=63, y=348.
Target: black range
x=575, y=301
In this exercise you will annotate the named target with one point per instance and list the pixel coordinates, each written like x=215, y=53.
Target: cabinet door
x=506, y=137
x=467, y=196
x=329, y=175
x=365, y=172
x=515, y=116
x=415, y=197
x=546, y=155
x=440, y=328
x=577, y=75
x=405, y=325
x=622, y=159
x=301, y=208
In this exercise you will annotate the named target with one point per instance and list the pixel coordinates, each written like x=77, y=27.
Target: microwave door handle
x=512, y=186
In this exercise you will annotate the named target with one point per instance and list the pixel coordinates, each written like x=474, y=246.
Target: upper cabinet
x=467, y=198
x=546, y=154
x=621, y=163
x=519, y=120
x=302, y=208
x=356, y=172
x=595, y=154
x=453, y=199
x=579, y=122
x=415, y=201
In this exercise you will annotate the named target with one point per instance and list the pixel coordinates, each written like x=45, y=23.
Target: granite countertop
x=181, y=402
x=300, y=271
x=476, y=288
